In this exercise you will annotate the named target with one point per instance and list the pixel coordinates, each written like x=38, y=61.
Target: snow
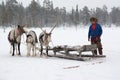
x=36, y=68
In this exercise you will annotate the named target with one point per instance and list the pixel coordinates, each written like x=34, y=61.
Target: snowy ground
x=36, y=68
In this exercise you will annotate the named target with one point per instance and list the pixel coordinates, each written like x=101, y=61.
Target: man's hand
x=89, y=39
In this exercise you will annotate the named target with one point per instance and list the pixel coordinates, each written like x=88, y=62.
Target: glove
x=89, y=39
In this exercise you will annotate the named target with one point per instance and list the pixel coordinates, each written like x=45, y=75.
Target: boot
x=100, y=51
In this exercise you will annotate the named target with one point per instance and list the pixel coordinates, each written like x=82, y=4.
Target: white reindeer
x=31, y=43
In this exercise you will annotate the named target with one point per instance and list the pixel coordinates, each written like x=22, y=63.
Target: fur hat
x=93, y=19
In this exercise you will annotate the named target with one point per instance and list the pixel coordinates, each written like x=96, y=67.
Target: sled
x=68, y=52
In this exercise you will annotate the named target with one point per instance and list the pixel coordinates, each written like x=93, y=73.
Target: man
x=94, y=34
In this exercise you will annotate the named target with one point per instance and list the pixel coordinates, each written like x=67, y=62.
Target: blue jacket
x=95, y=33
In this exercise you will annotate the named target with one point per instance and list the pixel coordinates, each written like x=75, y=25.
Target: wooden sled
x=64, y=52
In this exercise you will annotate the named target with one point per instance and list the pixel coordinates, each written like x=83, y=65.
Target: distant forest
x=14, y=13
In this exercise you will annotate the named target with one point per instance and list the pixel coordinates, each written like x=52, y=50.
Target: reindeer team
x=14, y=38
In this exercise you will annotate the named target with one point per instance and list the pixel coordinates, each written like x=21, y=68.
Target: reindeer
x=31, y=43
x=45, y=39
x=14, y=38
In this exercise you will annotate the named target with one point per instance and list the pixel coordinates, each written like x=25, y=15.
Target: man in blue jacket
x=94, y=34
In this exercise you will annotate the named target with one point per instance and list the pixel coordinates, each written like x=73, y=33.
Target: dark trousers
x=97, y=41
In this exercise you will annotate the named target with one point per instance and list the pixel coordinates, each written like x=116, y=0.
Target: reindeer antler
x=41, y=28
x=53, y=28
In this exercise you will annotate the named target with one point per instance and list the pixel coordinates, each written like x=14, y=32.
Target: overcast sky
x=72, y=3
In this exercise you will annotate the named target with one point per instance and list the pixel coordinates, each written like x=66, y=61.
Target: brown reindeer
x=14, y=38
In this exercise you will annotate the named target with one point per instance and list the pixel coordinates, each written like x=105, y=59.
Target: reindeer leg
x=19, y=49
x=47, y=51
x=16, y=48
x=41, y=50
x=13, y=49
x=28, y=49
x=33, y=51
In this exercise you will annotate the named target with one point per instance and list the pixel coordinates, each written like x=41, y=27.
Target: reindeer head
x=29, y=39
x=46, y=38
x=22, y=29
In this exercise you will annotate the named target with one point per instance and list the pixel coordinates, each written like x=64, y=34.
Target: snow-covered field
x=36, y=68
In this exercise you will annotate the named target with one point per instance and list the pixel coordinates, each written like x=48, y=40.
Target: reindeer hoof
x=12, y=54
x=28, y=55
x=41, y=55
x=46, y=57
x=19, y=54
x=33, y=55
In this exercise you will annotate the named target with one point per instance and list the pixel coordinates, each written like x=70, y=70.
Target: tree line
x=13, y=13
